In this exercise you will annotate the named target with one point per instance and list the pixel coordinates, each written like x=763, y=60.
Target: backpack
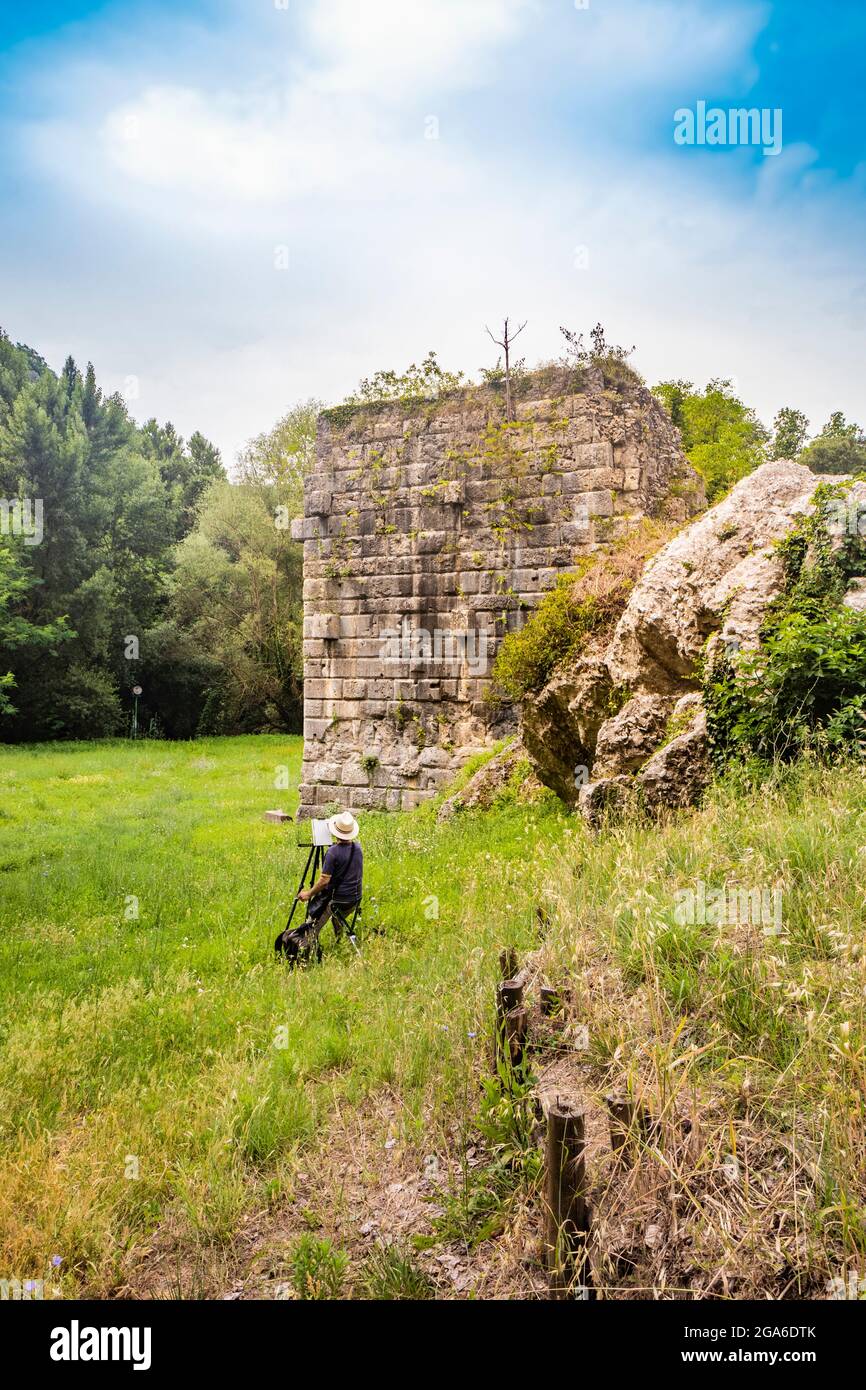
x=300, y=944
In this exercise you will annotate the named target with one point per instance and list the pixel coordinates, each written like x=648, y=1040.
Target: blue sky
x=162, y=162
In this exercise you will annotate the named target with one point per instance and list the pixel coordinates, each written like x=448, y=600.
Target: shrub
x=611, y=358
x=392, y=1273
x=805, y=686
x=581, y=609
x=427, y=381
x=559, y=625
x=318, y=1270
x=84, y=703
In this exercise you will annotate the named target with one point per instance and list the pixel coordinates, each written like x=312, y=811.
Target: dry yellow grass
x=743, y=1039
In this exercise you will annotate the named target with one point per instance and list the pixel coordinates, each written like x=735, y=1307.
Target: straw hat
x=344, y=826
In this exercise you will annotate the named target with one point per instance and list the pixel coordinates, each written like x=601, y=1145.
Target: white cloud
x=251, y=148
x=394, y=48
x=330, y=126
x=191, y=177
x=174, y=138
x=340, y=110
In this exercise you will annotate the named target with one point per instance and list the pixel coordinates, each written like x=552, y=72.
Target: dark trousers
x=339, y=914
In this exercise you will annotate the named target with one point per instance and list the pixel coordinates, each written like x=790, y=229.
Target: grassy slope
x=174, y=1039
x=746, y=1042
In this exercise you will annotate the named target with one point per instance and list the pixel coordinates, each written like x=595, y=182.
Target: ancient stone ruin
x=430, y=529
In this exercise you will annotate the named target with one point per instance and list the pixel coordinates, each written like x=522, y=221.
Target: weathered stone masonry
x=441, y=518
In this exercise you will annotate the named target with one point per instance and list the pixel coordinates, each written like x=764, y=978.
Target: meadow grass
x=156, y=1059
x=743, y=1035
x=160, y=1069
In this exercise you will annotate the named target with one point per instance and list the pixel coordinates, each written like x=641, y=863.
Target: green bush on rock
x=579, y=611
x=804, y=688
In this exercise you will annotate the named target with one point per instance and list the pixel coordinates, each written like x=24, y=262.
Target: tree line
x=725, y=440
x=129, y=560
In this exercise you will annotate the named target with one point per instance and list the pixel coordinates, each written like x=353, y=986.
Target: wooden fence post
x=515, y=1029
x=509, y=999
x=621, y=1108
x=551, y=1000
x=629, y=1121
x=565, y=1199
x=508, y=962
x=510, y=995
x=542, y=920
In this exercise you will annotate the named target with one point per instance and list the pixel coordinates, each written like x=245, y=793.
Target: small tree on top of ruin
x=505, y=342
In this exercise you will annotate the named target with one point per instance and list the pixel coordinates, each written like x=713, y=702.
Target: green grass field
x=163, y=1065
x=161, y=1072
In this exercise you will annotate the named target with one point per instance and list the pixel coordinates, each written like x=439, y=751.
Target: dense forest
x=130, y=560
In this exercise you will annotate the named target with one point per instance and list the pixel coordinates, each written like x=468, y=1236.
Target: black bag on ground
x=300, y=945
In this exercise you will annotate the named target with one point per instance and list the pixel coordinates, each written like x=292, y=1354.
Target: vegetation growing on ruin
x=557, y=627
x=506, y=456
x=427, y=383
x=722, y=436
x=576, y=615
x=611, y=359
x=338, y=566
x=421, y=383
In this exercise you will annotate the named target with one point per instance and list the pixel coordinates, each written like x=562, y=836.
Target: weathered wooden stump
x=516, y=1026
x=551, y=1001
x=630, y=1122
x=510, y=995
x=566, y=1216
x=508, y=962
x=509, y=999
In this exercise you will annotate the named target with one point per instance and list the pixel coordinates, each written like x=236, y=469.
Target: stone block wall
x=430, y=531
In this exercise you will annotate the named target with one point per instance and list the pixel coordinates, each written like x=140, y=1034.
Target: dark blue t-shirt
x=345, y=863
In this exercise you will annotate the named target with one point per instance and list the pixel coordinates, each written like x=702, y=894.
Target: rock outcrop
x=491, y=781
x=856, y=596
x=560, y=726
x=712, y=583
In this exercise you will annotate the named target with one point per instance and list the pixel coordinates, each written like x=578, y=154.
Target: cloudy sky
x=232, y=205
